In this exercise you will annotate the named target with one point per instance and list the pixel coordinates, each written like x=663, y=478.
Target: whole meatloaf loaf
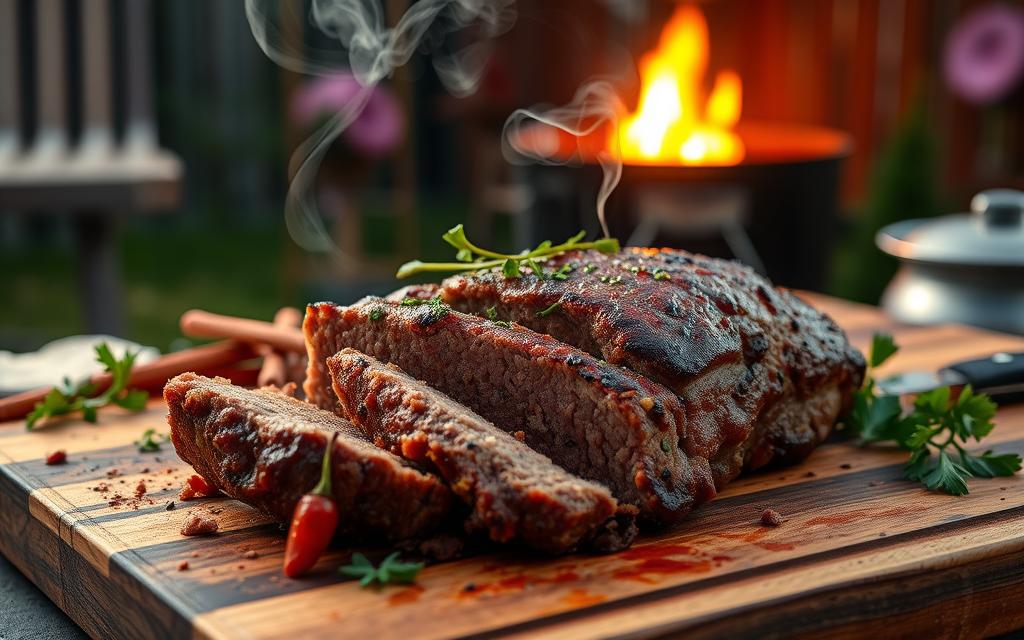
x=515, y=493
x=762, y=375
x=594, y=419
x=266, y=448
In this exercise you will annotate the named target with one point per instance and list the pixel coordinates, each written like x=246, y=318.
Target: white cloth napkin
x=73, y=357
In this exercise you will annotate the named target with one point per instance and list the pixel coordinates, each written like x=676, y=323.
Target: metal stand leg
x=742, y=246
x=98, y=273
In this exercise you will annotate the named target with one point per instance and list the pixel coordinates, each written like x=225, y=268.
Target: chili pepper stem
x=323, y=488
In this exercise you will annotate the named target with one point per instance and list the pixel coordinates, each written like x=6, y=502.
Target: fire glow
x=673, y=123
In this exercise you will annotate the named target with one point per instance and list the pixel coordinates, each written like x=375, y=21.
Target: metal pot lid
x=991, y=235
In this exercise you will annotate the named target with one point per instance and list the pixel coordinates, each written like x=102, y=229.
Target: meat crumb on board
x=56, y=457
x=196, y=487
x=197, y=524
x=771, y=518
x=183, y=565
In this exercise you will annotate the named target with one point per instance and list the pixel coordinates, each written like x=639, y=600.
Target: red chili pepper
x=196, y=487
x=57, y=457
x=313, y=523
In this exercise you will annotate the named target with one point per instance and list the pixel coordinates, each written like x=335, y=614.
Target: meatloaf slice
x=763, y=375
x=265, y=449
x=594, y=419
x=515, y=492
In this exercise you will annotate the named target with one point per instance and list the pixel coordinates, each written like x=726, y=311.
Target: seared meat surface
x=594, y=419
x=761, y=375
x=515, y=492
x=265, y=448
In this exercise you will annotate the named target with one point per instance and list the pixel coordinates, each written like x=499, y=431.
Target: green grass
x=165, y=271
x=169, y=267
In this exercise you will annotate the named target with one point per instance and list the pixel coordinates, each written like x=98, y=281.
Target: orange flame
x=670, y=124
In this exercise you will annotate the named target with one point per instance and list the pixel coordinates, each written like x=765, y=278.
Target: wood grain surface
x=861, y=550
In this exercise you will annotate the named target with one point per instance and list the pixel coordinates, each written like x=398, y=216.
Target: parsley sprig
x=438, y=309
x=150, y=441
x=70, y=397
x=936, y=431
x=470, y=257
x=391, y=570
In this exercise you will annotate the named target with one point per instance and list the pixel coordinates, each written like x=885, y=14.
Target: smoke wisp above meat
x=374, y=51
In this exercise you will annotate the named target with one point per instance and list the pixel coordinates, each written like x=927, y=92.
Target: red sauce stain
x=405, y=596
x=582, y=598
x=860, y=514
x=565, y=576
x=516, y=583
x=776, y=546
x=654, y=560
x=642, y=571
x=754, y=538
x=657, y=551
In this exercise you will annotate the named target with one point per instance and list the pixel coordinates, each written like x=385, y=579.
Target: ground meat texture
x=771, y=518
x=266, y=449
x=199, y=524
x=763, y=375
x=515, y=493
x=589, y=417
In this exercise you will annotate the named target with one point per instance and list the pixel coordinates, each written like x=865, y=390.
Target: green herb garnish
x=150, y=441
x=590, y=268
x=492, y=315
x=69, y=397
x=377, y=313
x=470, y=257
x=661, y=275
x=438, y=309
x=547, y=312
x=390, y=571
x=611, y=279
x=563, y=273
x=935, y=432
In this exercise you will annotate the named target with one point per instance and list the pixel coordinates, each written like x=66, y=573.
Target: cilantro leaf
x=150, y=441
x=510, y=268
x=877, y=419
x=69, y=397
x=882, y=348
x=935, y=431
x=470, y=257
x=391, y=570
x=946, y=475
x=988, y=465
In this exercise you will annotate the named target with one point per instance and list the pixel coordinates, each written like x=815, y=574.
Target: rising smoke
x=595, y=106
x=375, y=50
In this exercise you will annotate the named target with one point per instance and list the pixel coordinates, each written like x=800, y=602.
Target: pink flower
x=375, y=131
x=984, y=56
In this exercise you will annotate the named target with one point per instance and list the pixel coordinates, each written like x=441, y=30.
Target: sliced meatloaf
x=594, y=419
x=265, y=448
x=515, y=493
x=763, y=376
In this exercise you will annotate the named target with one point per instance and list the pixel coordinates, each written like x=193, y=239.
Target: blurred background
x=144, y=150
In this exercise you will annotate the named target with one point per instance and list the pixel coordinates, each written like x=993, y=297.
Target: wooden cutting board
x=861, y=550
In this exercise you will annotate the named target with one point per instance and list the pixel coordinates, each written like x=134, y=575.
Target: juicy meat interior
x=594, y=419
x=761, y=375
x=266, y=448
x=515, y=493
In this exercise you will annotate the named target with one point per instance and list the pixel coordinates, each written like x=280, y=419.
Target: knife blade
x=1000, y=375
